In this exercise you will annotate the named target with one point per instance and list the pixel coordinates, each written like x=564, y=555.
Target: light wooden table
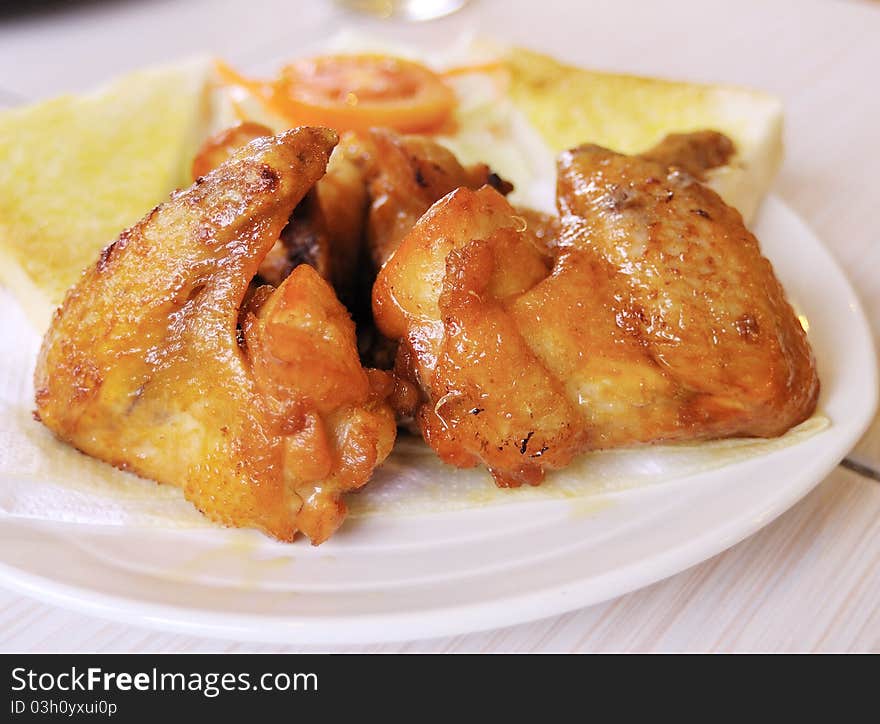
x=810, y=580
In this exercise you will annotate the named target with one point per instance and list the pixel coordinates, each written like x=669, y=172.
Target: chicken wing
x=326, y=228
x=659, y=320
x=696, y=152
x=145, y=367
x=377, y=185
x=405, y=175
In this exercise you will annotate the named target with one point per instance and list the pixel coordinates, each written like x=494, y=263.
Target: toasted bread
x=78, y=169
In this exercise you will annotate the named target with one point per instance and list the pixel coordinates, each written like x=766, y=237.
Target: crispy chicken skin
x=326, y=228
x=144, y=365
x=220, y=147
x=659, y=320
x=696, y=152
x=378, y=184
x=376, y=187
x=405, y=175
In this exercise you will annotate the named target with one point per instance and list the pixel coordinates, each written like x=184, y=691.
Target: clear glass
x=405, y=9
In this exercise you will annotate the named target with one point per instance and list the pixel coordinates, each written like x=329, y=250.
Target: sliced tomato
x=357, y=92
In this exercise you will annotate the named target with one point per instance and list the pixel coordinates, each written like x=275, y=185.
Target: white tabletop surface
x=811, y=579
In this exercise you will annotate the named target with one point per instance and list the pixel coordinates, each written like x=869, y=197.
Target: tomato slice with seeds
x=357, y=92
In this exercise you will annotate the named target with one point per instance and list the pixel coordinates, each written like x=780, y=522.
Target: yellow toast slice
x=76, y=170
x=569, y=106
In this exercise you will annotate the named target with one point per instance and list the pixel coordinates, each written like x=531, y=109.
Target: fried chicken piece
x=377, y=185
x=543, y=229
x=342, y=200
x=327, y=226
x=302, y=241
x=405, y=175
x=397, y=177
x=326, y=230
x=143, y=366
x=660, y=320
x=696, y=152
x=220, y=147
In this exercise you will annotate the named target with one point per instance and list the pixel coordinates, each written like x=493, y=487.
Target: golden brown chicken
x=696, y=152
x=405, y=175
x=265, y=425
x=378, y=183
x=659, y=320
x=326, y=228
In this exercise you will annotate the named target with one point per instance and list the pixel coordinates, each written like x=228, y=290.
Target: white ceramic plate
x=448, y=573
